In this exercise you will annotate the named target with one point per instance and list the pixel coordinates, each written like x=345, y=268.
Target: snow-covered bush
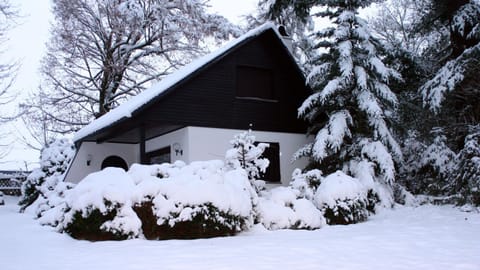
x=280, y=208
x=164, y=201
x=466, y=180
x=196, y=201
x=306, y=183
x=100, y=207
x=247, y=154
x=2, y=202
x=344, y=199
x=42, y=182
x=436, y=165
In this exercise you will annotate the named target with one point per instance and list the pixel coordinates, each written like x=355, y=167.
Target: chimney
x=287, y=40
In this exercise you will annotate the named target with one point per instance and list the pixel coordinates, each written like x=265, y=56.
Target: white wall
x=179, y=136
x=78, y=168
x=212, y=143
x=197, y=144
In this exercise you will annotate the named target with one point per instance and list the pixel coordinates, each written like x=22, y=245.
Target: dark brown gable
x=217, y=95
x=212, y=98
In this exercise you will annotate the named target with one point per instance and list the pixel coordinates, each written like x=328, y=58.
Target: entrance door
x=272, y=153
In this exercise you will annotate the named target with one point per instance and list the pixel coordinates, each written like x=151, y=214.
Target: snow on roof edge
x=126, y=109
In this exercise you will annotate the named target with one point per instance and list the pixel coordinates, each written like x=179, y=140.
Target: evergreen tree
x=466, y=180
x=454, y=87
x=54, y=161
x=351, y=104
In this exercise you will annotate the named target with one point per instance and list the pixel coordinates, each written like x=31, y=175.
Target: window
x=114, y=161
x=159, y=156
x=254, y=82
x=272, y=153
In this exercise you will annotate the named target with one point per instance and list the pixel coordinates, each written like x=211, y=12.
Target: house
x=193, y=114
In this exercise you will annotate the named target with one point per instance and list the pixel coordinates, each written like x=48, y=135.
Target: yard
x=425, y=237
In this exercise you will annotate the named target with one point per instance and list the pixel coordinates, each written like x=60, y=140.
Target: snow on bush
x=164, y=201
x=344, y=199
x=100, y=207
x=198, y=200
x=280, y=208
x=247, y=154
x=437, y=163
x=466, y=180
x=306, y=183
x=43, y=183
x=2, y=202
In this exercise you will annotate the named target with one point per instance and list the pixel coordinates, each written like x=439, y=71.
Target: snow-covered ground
x=426, y=237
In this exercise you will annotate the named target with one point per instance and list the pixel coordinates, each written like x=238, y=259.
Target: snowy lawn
x=426, y=237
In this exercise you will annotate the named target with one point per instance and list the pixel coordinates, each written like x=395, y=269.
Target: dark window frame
x=255, y=83
x=159, y=152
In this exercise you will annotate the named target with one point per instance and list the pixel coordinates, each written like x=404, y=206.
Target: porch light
x=177, y=149
x=89, y=159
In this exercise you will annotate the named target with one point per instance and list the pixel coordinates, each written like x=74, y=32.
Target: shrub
x=281, y=208
x=306, y=183
x=200, y=221
x=2, y=202
x=344, y=200
x=198, y=200
x=100, y=207
x=161, y=201
x=90, y=225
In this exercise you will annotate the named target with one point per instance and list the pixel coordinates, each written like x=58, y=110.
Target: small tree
x=247, y=154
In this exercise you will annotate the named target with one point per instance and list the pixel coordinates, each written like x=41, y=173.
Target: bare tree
x=395, y=25
x=8, y=13
x=103, y=52
x=7, y=70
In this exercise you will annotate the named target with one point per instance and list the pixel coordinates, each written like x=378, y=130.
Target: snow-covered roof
x=128, y=108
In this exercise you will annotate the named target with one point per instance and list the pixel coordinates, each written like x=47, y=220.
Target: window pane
x=255, y=82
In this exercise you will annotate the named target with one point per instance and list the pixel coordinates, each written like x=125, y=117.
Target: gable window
x=272, y=153
x=159, y=156
x=255, y=83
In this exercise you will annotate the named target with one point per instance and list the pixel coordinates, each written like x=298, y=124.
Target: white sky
x=27, y=44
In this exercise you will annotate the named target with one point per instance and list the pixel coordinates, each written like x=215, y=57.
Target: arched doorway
x=114, y=161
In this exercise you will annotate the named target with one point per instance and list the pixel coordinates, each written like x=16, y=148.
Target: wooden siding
x=208, y=97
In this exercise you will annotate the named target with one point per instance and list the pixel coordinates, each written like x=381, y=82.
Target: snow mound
x=344, y=199
x=280, y=208
x=338, y=186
